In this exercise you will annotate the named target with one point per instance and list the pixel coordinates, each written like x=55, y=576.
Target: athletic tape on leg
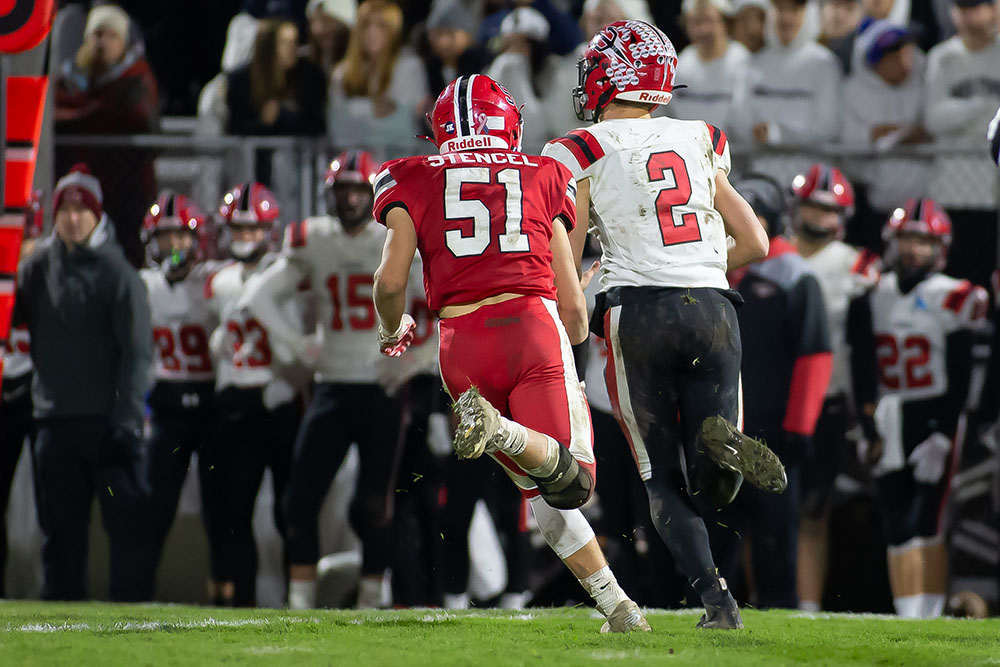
x=565, y=531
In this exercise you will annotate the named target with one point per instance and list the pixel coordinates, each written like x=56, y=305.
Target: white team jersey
x=843, y=273
x=247, y=357
x=911, y=329
x=17, y=353
x=182, y=324
x=652, y=195
x=340, y=268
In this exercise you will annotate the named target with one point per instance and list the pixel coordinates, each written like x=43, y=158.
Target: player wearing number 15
x=337, y=255
x=181, y=401
x=491, y=226
x=911, y=340
x=660, y=202
x=256, y=411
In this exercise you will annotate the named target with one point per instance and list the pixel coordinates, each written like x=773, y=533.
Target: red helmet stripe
x=463, y=107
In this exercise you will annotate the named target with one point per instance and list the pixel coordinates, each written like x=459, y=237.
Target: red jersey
x=483, y=220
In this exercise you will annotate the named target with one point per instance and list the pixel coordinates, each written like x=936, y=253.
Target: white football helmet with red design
x=475, y=112
x=627, y=60
x=171, y=211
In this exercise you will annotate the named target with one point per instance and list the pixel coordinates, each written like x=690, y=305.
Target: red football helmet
x=352, y=166
x=475, y=112
x=171, y=211
x=826, y=187
x=919, y=216
x=627, y=60
x=252, y=205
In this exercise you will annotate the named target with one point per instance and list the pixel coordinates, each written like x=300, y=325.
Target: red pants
x=518, y=354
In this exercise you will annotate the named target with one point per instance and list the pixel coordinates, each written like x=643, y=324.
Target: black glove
x=581, y=354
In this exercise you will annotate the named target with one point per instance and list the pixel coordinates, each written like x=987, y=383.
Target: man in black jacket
x=91, y=344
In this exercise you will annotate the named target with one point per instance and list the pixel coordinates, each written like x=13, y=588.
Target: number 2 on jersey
x=456, y=208
x=673, y=229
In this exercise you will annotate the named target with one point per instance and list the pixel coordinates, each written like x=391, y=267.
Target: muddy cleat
x=626, y=618
x=721, y=612
x=479, y=426
x=740, y=453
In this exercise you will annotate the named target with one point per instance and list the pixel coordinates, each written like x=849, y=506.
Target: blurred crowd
x=242, y=381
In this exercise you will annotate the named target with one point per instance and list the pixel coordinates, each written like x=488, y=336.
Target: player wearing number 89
x=256, y=411
x=337, y=255
x=911, y=359
x=491, y=226
x=181, y=401
x=661, y=204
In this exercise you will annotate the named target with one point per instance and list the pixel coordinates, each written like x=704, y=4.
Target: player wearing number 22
x=182, y=398
x=659, y=201
x=911, y=360
x=337, y=256
x=257, y=414
x=491, y=226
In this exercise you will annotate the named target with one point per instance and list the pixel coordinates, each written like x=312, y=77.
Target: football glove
x=395, y=343
x=930, y=458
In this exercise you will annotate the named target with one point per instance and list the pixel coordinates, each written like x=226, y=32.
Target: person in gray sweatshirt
x=88, y=316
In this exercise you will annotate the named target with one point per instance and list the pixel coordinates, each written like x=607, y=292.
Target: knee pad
x=565, y=531
x=569, y=487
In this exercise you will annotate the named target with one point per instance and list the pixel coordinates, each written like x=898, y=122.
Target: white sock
x=516, y=437
x=302, y=594
x=548, y=467
x=374, y=593
x=809, y=606
x=931, y=605
x=514, y=600
x=604, y=588
x=909, y=606
x=456, y=600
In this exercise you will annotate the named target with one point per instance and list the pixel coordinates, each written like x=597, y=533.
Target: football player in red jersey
x=491, y=224
x=910, y=339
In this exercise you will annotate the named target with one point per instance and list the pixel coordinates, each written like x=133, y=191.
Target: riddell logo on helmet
x=654, y=98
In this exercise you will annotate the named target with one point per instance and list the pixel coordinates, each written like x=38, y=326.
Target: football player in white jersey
x=911, y=360
x=662, y=207
x=16, y=422
x=824, y=200
x=182, y=398
x=337, y=256
x=256, y=407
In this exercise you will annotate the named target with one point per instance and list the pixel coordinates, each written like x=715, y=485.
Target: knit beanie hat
x=79, y=185
x=112, y=17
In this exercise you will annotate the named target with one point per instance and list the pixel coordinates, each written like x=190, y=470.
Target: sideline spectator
x=883, y=104
x=448, y=47
x=715, y=69
x=109, y=88
x=840, y=22
x=748, y=23
x=963, y=91
x=562, y=38
x=379, y=87
x=796, y=84
x=330, y=23
x=787, y=359
x=91, y=345
x=523, y=68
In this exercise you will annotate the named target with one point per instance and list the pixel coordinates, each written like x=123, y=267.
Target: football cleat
x=479, y=427
x=626, y=618
x=740, y=453
x=721, y=612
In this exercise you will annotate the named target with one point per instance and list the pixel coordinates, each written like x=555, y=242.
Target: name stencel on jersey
x=481, y=158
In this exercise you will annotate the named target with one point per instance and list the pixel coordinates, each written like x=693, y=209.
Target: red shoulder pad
x=297, y=234
x=866, y=263
x=584, y=147
x=207, y=290
x=718, y=139
x=958, y=296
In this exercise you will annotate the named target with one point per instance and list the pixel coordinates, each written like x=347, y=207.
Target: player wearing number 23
x=911, y=361
x=660, y=202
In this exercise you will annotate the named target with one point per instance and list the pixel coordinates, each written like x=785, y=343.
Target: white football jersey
x=843, y=272
x=17, y=353
x=182, y=324
x=247, y=356
x=340, y=268
x=652, y=193
x=911, y=331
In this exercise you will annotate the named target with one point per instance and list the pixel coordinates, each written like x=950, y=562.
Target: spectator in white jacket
x=748, y=23
x=714, y=69
x=796, y=84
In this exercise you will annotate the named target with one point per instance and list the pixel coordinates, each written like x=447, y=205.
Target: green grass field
x=33, y=633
